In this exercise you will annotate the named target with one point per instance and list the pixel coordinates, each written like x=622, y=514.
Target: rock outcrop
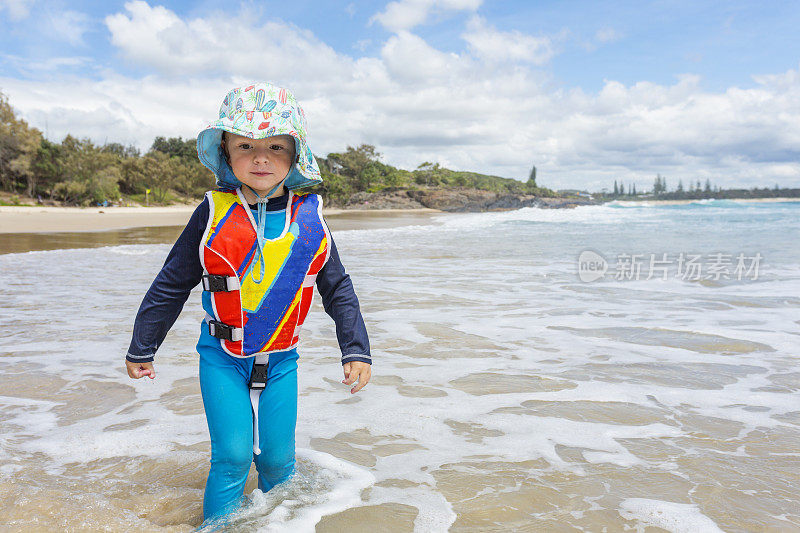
x=457, y=200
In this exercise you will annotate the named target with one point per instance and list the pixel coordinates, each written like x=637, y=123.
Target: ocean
x=624, y=367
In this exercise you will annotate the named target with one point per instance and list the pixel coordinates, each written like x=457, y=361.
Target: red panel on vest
x=295, y=200
x=316, y=264
x=227, y=304
x=236, y=238
x=305, y=304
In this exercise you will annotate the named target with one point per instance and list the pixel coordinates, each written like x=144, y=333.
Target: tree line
x=80, y=172
x=697, y=190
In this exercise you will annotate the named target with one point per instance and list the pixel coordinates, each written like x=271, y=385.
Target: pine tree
x=532, y=177
x=708, y=185
x=634, y=190
x=616, y=189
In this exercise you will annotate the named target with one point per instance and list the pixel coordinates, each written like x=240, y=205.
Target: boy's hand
x=140, y=370
x=356, y=370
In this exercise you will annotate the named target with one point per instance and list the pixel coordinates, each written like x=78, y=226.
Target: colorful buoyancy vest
x=259, y=317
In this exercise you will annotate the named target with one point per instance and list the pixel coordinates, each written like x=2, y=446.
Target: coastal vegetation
x=694, y=190
x=80, y=172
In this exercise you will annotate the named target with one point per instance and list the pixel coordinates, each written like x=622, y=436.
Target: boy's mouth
x=261, y=173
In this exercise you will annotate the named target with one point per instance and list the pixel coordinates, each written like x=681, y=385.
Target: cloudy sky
x=587, y=91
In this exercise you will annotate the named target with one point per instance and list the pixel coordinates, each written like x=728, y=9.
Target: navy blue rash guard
x=182, y=272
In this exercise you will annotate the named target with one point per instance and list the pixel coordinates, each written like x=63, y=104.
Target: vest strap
x=258, y=376
x=223, y=331
x=214, y=283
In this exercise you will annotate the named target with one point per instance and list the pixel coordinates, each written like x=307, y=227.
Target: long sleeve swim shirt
x=182, y=272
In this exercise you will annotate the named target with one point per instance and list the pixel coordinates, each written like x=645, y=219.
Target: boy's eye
x=244, y=146
x=277, y=147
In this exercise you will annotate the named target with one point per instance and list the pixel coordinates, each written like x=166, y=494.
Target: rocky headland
x=458, y=200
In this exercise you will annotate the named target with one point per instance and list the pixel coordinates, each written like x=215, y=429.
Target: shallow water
x=507, y=393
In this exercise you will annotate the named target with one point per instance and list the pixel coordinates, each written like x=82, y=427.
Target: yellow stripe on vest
x=276, y=254
x=222, y=204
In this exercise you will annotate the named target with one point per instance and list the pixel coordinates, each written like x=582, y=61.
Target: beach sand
x=36, y=219
x=26, y=228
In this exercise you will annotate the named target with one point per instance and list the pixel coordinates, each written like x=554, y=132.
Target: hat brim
x=304, y=171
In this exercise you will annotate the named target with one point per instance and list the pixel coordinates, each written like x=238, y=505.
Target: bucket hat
x=259, y=111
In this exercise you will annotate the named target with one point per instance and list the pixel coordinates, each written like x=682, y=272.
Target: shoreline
x=87, y=228
x=47, y=219
x=28, y=219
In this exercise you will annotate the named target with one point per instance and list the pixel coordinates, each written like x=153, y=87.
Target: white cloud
x=607, y=35
x=408, y=58
x=602, y=36
x=488, y=43
x=17, y=9
x=156, y=37
x=68, y=26
x=417, y=103
x=36, y=68
x=406, y=14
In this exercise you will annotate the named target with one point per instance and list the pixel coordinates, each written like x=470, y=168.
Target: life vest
x=252, y=317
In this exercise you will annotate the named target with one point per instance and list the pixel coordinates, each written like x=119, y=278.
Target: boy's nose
x=261, y=156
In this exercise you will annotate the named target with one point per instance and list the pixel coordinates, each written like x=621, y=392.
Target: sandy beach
x=28, y=228
x=36, y=219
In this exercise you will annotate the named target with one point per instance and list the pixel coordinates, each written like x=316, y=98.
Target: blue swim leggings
x=226, y=397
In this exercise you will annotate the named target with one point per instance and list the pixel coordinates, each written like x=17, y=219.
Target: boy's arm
x=341, y=303
x=164, y=300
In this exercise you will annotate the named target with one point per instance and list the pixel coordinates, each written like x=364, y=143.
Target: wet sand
x=508, y=396
x=25, y=229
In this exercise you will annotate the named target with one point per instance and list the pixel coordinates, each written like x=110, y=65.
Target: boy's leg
x=223, y=383
x=277, y=418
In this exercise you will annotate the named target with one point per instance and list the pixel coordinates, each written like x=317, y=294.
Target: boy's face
x=260, y=163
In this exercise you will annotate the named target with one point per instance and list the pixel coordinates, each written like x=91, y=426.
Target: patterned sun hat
x=258, y=111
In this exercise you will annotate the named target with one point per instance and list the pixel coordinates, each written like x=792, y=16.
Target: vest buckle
x=215, y=283
x=223, y=331
x=258, y=377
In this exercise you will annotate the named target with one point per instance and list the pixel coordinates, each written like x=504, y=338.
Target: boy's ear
x=224, y=147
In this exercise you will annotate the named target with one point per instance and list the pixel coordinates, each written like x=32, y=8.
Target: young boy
x=258, y=248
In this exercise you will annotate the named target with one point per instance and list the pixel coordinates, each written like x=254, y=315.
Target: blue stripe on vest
x=279, y=298
x=247, y=260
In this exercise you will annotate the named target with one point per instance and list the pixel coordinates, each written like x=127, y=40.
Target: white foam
x=331, y=486
x=487, y=294
x=674, y=517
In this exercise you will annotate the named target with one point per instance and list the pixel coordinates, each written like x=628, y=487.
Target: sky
x=588, y=92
